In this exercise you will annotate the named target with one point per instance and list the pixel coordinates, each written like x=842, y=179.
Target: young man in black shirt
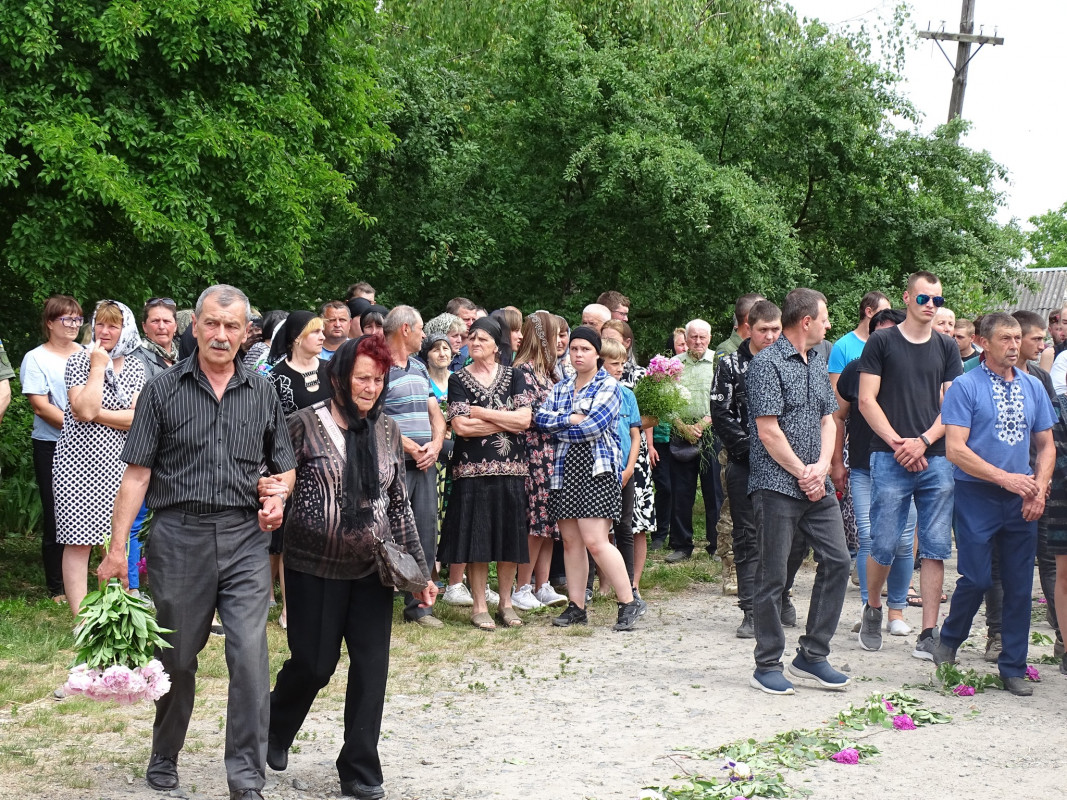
x=904, y=372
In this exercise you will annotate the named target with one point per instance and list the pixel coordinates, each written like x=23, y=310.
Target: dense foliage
x=1047, y=242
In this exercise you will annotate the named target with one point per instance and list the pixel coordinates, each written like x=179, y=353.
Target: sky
x=1011, y=89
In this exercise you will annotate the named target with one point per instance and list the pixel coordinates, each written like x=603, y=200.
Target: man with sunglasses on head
x=158, y=350
x=904, y=372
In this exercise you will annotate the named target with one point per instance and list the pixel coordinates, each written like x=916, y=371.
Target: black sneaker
x=789, y=613
x=628, y=614
x=572, y=615
x=747, y=628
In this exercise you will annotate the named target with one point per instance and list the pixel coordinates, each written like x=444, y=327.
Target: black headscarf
x=428, y=344
x=492, y=327
x=357, y=305
x=362, y=485
x=281, y=344
x=587, y=333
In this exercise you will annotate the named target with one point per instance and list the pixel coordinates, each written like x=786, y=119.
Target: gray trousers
x=422, y=494
x=198, y=563
x=779, y=520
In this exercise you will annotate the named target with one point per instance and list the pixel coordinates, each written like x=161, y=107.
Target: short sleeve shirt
x=697, y=374
x=406, y=401
x=846, y=349
x=629, y=417
x=912, y=375
x=1000, y=420
x=42, y=374
x=859, y=432
x=780, y=384
x=6, y=373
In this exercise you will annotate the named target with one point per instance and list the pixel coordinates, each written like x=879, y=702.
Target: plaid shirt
x=600, y=401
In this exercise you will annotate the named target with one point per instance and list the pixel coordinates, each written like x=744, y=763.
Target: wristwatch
x=925, y=440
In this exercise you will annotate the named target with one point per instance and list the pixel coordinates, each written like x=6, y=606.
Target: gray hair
x=600, y=310
x=399, y=317
x=225, y=295
x=698, y=323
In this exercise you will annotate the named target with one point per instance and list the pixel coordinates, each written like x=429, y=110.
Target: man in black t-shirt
x=904, y=372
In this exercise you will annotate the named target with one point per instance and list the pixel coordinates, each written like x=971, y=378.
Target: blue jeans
x=903, y=559
x=990, y=519
x=895, y=492
x=133, y=552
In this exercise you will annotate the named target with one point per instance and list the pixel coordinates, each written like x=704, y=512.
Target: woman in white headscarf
x=102, y=388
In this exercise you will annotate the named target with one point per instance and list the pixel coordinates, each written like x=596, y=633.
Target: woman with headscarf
x=489, y=408
x=258, y=356
x=102, y=388
x=372, y=321
x=349, y=492
x=586, y=493
x=451, y=326
x=300, y=379
x=356, y=307
x=536, y=360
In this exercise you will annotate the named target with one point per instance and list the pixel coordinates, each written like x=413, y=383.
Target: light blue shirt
x=848, y=348
x=629, y=417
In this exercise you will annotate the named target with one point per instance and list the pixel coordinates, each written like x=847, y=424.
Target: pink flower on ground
x=1042, y=600
x=902, y=722
x=963, y=690
x=889, y=706
x=850, y=755
x=1032, y=674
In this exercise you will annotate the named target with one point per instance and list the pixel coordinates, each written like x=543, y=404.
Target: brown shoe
x=508, y=617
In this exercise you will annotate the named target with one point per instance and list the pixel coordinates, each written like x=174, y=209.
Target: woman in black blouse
x=489, y=409
x=349, y=492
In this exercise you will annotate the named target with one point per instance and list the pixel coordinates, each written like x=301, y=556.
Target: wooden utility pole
x=965, y=38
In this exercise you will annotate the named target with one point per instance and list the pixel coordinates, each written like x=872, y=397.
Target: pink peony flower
x=888, y=706
x=158, y=686
x=142, y=567
x=1032, y=674
x=850, y=755
x=116, y=679
x=902, y=722
x=1042, y=600
x=963, y=690
x=80, y=679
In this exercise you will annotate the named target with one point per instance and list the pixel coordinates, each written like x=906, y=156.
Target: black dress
x=486, y=519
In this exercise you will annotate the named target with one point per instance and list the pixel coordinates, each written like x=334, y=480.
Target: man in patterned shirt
x=792, y=436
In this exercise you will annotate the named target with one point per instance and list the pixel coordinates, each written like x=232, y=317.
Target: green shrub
x=20, y=502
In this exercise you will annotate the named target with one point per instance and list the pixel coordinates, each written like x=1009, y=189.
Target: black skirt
x=485, y=521
x=584, y=495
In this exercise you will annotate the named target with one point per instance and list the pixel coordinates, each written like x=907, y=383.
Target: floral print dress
x=541, y=452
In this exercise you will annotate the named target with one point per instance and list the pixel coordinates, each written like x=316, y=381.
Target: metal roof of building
x=1051, y=294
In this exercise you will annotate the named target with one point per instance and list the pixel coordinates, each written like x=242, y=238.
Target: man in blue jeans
x=903, y=374
x=792, y=435
x=991, y=415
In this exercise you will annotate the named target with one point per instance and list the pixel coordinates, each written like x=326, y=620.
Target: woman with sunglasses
x=41, y=376
x=103, y=386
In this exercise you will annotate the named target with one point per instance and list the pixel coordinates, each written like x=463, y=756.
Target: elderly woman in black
x=489, y=408
x=349, y=492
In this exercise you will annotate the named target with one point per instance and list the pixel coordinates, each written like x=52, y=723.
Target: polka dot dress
x=584, y=495
x=86, y=470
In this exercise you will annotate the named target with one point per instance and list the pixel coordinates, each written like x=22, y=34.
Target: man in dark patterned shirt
x=201, y=431
x=792, y=440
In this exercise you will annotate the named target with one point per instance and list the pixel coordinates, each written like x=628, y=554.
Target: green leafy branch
x=116, y=628
x=951, y=677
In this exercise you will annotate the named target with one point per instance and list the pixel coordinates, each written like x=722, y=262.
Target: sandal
x=915, y=600
x=482, y=621
x=508, y=618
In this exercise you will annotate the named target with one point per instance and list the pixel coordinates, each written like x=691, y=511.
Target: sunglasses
x=160, y=301
x=72, y=322
x=923, y=299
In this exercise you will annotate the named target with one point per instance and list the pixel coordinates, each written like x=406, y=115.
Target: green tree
x=156, y=146
x=683, y=153
x=1047, y=242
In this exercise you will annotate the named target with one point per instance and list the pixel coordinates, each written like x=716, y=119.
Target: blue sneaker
x=819, y=671
x=770, y=681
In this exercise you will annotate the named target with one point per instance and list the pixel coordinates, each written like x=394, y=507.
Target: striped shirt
x=205, y=453
x=600, y=401
x=406, y=400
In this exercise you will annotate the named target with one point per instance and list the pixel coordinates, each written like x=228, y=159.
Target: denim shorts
x=892, y=490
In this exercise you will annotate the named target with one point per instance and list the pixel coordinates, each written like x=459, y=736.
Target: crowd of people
x=299, y=444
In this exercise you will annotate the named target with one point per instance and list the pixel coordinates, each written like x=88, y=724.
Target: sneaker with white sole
x=771, y=681
x=524, y=598
x=457, y=594
x=491, y=597
x=870, y=634
x=926, y=645
x=549, y=596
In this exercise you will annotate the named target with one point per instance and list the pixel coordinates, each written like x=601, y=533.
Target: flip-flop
x=482, y=621
x=508, y=618
x=914, y=600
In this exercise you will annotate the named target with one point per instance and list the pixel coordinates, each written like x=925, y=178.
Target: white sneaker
x=898, y=627
x=550, y=597
x=525, y=600
x=457, y=594
x=491, y=597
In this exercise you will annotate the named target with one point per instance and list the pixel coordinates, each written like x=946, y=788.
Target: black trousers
x=51, y=551
x=661, y=478
x=684, y=476
x=321, y=614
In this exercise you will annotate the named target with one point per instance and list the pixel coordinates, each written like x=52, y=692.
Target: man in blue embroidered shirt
x=990, y=416
x=792, y=435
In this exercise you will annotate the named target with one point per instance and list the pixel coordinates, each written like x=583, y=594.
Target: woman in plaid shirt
x=585, y=496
